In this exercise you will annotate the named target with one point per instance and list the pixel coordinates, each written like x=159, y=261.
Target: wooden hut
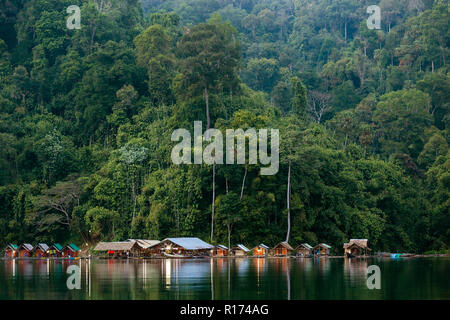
x=25, y=250
x=260, y=250
x=71, y=251
x=40, y=250
x=303, y=250
x=282, y=249
x=122, y=249
x=55, y=250
x=220, y=251
x=356, y=247
x=322, y=249
x=180, y=247
x=11, y=251
x=239, y=251
x=146, y=247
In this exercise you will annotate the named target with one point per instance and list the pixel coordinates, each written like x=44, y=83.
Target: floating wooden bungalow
x=179, y=247
x=25, y=250
x=282, y=249
x=120, y=249
x=220, y=251
x=11, y=250
x=146, y=247
x=303, y=250
x=40, y=250
x=71, y=250
x=239, y=251
x=260, y=250
x=322, y=249
x=55, y=250
x=356, y=247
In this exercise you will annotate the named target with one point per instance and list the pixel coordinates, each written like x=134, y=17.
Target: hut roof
x=221, y=246
x=57, y=246
x=323, y=245
x=42, y=246
x=190, y=243
x=12, y=246
x=115, y=246
x=145, y=244
x=242, y=247
x=262, y=245
x=304, y=245
x=363, y=243
x=73, y=247
x=284, y=244
x=27, y=246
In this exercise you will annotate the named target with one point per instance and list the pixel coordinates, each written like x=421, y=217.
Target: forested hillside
x=86, y=118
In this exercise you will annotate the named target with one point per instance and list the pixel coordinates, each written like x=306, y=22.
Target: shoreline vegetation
x=86, y=118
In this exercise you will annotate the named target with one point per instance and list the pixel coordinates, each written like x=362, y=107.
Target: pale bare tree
x=318, y=104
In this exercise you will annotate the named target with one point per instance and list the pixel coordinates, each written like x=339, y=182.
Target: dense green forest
x=86, y=118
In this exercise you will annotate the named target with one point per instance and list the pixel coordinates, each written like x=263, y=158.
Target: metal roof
x=306, y=245
x=324, y=245
x=12, y=246
x=57, y=246
x=27, y=246
x=73, y=247
x=221, y=246
x=242, y=247
x=43, y=246
x=190, y=243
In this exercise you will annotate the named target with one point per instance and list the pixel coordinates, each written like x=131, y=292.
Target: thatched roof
x=115, y=246
x=145, y=244
x=262, y=245
x=284, y=244
x=363, y=243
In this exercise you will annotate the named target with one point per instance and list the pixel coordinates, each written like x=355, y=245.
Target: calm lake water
x=244, y=278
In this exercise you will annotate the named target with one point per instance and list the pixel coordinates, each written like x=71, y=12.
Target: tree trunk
x=243, y=182
x=213, y=200
x=208, y=121
x=288, y=203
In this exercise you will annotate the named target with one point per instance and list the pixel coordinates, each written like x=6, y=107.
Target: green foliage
x=86, y=118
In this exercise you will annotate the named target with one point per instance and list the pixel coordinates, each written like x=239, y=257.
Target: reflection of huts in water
x=355, y=270
x=25, y=250
x=40, y=250
x=55, y=250
x=122, y=249
x=239, y=250
x=182, y=247
x=322, y=249
x=303, y=250
x=356, y=247
x=219, y=251
x=146, y=246
x=11, y=250
x=282, y=249
x=71, y=250
x=260, y=250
